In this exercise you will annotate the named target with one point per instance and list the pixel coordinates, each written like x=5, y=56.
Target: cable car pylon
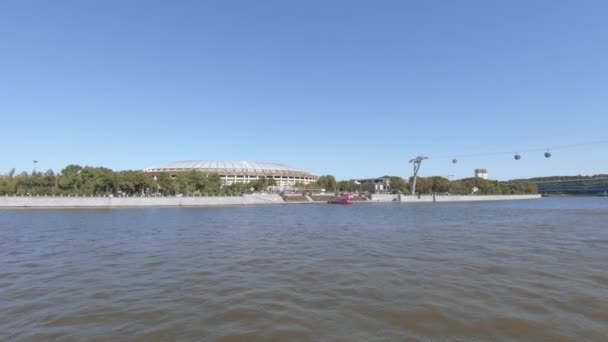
x=416, y=161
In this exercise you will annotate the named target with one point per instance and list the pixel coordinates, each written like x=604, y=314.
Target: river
x=513, y=270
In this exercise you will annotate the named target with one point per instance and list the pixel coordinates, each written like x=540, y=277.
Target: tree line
x=77, y=180
x=473, y=185
x=100, y=181
x=436, y=184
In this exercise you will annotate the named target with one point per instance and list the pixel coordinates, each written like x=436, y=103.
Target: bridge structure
x=577, y=186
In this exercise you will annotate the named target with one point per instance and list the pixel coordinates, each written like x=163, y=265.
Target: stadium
x=238, y=171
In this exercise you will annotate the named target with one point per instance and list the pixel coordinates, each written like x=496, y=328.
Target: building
x=373, y=185
x=238, y=171
x=597, y=185
x=481, y=173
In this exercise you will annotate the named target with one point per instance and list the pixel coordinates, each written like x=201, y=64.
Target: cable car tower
x=417, y=161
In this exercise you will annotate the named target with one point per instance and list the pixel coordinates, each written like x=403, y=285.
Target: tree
x=263, y=183
x=97, y=181
x=191, y=182
x=439, y=184
x=212, y=183
x=347, y=186
x=8, y=186
x=133, y=182
x=327, y=182
x=398, y=185
x=88, y=180
x=423, y=185
x=238, y=188
x=299, y=185
x=166, y=185
x=70, y=178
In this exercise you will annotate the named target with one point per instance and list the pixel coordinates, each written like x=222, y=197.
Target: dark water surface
x=521, y=270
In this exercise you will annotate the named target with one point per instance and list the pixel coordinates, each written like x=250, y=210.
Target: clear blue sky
x=350, y=88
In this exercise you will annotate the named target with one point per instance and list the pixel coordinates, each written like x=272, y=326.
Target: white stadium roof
x=229, y=166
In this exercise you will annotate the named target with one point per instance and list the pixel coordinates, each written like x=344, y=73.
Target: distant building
x=373, y=185
x=238, y=171
x=597, y=185
x=481, y=173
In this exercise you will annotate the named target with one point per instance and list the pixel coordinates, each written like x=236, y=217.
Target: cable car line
x=518, y=155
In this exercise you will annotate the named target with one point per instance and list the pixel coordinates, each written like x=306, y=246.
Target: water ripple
x=530, y=270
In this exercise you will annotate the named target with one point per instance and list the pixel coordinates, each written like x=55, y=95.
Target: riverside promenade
x=203, y=201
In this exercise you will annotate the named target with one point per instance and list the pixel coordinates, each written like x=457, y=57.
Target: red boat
x=346, y=198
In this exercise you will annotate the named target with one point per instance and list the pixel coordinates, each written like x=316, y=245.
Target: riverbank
x=119, y=202
x=449, y=198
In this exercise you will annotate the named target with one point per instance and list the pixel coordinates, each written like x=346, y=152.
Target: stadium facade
x=238, y=171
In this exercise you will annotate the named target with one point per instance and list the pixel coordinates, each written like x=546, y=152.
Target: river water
x=520, y=270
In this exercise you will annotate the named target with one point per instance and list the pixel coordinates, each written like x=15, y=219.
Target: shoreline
x=48, y=202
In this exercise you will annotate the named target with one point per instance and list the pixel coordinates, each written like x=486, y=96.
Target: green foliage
x=427, y=185
x=88, y=181
x=327, y=182
x=236, y=189
x=189, y=183
x=299, y=185
x=346, y=186
x=398, y=185
x=99, y=181
x=439, y=184
x=423, y=185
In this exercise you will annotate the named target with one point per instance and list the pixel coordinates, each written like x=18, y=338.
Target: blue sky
x=350, y=88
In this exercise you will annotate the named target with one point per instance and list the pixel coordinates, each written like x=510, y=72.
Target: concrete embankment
x=117, y=202
x=449, y=198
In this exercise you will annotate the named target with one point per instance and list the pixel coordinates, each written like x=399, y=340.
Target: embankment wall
x=450, y=198
x=114, y=202
x=117, y=202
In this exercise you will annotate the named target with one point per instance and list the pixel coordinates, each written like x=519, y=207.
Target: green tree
x=166, y=185
x=299, y=185
x=78, y=180
x=133, y=182
x=327, y=182
x=398, y=185
x=439, y=184
x=70, y=180
x=238, y=188
x=212, y=184
x=346, y=186
x=263, y=183
x=424, y=185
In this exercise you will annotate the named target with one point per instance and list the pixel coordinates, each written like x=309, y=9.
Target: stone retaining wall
x=112, y=202
x=117, y=202
x=449, y=198
x=384, y=198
